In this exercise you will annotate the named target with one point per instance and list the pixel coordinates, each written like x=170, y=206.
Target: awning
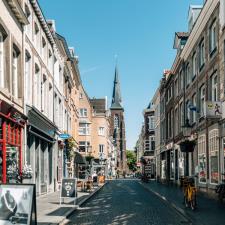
x=79, y=159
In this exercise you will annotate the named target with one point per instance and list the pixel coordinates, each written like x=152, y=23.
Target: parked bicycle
x=190, y=192
x=220, y=189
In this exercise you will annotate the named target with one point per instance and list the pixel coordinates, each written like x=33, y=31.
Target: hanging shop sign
x=68, y=189
x=213, y=109
x=17, y=204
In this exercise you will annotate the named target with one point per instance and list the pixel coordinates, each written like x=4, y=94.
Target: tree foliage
x=131, y=160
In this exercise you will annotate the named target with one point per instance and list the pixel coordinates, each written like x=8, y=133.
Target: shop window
x=202, y=159
x=214, y=156
x=172, y=165
x=181, y=164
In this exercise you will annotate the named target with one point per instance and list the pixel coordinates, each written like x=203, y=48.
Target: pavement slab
x=49, y=210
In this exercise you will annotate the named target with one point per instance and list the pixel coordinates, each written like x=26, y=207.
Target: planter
x=12, y=181
x=26, y=180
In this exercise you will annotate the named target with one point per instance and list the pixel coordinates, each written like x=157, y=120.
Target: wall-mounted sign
x=64, y=136
x=17, y=204
x=68, y=188
x=213, y=109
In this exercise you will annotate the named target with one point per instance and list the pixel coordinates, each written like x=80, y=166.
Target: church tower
x=117, y=124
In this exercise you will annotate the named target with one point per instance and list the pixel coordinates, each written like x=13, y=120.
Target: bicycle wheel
x=186, y=202
x=193, y=201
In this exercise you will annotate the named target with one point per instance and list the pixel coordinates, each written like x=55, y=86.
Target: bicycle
x=220, y=189
x=190, y=192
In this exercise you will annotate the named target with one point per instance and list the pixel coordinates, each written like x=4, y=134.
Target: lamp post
x=89, y=151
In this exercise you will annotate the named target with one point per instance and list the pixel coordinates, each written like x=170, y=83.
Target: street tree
x=131, y=160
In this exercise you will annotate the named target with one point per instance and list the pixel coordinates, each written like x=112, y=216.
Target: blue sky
x=141, y=34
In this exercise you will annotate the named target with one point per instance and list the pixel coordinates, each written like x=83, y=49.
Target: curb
x=71, y=211
x=172, y=205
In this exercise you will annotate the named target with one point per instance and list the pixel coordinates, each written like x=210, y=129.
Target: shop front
x=12, y=123
x=42, y=151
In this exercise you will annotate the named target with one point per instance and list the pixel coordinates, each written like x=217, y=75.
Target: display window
x=202, y=159
x=10, y=150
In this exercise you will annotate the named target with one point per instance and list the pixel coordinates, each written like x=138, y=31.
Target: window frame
x=15, y=73
x=212, y=41
x=84, y=130
x=83, y=113
x=101, y=131
x=201, y=54
x=214, y=87
x=2, y=66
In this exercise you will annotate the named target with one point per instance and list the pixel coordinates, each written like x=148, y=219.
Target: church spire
x=116, y=98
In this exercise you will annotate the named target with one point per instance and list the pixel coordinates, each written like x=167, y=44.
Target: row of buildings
x=183, y=133
x=47, y=120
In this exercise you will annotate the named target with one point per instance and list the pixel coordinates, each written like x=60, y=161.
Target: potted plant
x=12, y=173
x=27, y=173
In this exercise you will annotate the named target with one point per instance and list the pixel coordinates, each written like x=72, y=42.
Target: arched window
x=116, y=121
x=2, y=78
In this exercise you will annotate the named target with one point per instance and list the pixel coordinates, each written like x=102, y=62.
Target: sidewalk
x=208, y=212
x=49, y=210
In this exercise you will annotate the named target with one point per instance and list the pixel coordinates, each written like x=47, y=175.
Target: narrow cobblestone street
x=126, y=202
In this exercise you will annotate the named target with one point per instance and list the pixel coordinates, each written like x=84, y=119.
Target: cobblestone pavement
x=208, y=212
x=126, y=202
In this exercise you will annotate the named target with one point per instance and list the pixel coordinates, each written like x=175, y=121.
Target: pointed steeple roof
x=116, y=98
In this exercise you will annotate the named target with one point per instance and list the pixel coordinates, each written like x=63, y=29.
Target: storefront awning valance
x=79, y=159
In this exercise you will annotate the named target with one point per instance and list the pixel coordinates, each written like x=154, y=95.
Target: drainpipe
x=24, y=100
x=184, y=119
